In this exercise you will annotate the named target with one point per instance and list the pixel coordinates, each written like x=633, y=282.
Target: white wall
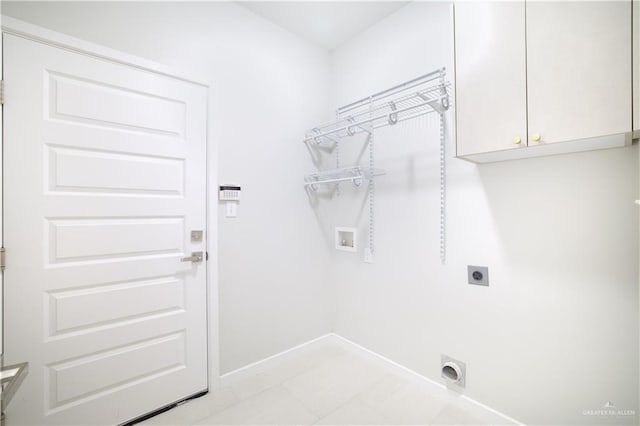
x=268, y=86
x=556, y=333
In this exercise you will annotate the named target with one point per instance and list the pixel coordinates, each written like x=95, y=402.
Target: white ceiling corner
x=327, y=24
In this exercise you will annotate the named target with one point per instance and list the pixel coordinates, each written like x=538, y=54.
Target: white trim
x=213, y=303
x=333, y=338
x=636, y=63
x=33, y=32
x=411, y=374
x=1, y=202
x=274, y=360
x=53, y=38
x=618, y=140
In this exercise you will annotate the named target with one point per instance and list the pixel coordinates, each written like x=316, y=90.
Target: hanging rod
x=356, y=174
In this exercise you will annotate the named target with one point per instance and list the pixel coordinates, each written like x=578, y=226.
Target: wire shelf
x=430, y=93
x=423, y=95
x=356, y=174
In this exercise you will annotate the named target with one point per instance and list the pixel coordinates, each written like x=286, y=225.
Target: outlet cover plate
x=478, y=275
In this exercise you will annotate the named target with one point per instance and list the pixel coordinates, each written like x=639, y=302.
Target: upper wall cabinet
x=532, y=74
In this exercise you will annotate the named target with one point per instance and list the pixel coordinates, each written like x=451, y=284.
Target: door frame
x=55, y=39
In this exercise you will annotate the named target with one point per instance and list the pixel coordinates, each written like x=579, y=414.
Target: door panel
x=87, y=170
x=579, y=69
x=490, y=76
x=84, y=101
x=104, y=180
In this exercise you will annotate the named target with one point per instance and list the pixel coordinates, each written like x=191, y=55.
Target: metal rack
x=429, y=93
x=423, y=95
x=355, y=174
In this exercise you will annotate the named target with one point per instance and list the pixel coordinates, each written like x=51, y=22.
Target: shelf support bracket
x=440, y=105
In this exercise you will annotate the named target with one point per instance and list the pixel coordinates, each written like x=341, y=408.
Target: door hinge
x=1, y=92
x=3, y=259
x=206, y=255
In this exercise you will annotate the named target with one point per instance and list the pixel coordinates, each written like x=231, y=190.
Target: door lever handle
x=195, y=257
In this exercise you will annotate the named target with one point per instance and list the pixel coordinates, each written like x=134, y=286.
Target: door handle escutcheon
x=195, y=257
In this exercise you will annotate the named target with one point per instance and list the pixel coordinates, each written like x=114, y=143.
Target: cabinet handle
x=536, y=137
x=516, y=139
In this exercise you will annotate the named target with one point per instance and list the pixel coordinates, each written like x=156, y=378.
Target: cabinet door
x=490, y=76
x=578, y=69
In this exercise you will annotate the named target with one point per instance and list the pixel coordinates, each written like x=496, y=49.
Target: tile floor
x=328, y=385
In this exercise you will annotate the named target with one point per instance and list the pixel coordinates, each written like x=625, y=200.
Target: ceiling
x=326, y=24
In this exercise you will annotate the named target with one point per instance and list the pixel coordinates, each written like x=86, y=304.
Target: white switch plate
x=232, y=209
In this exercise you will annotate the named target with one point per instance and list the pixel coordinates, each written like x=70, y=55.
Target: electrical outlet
x=478, y=275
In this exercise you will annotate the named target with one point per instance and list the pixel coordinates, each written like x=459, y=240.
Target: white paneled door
x=104, y=181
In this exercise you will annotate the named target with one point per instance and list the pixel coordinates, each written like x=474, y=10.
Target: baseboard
x=332, y=338
x=273, y=360
x=409, y=374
